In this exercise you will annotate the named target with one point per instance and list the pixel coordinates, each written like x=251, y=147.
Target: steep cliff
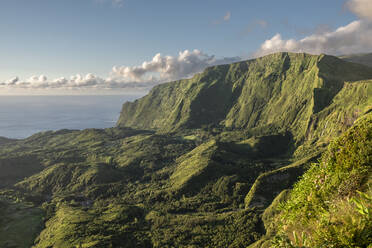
x=282, y=91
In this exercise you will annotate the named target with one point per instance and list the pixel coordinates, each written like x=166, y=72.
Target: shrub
x=330, y=205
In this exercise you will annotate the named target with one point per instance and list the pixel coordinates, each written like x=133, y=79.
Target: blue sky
x=60, y=38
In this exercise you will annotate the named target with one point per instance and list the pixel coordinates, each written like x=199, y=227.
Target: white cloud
x=115, y=3
x=362, y=8
x=158, y=70
x=227, y=16
x=12, y=81
x=169, y=68
x=261, y=24
x=355, y=37
x=352, y=38
x=118, y=3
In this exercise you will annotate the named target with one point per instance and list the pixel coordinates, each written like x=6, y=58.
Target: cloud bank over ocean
x=159, y=69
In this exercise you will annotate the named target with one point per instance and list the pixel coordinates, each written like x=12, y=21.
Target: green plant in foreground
x=331, y=205
x=363, y=204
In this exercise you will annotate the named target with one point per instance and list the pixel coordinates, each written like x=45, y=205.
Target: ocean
x=22, y=116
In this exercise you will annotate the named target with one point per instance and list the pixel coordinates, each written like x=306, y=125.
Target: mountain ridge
x=259, y=93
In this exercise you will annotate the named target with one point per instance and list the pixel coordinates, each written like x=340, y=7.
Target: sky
x=125, y=46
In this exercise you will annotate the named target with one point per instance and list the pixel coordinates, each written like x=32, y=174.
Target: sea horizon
x=24, y=115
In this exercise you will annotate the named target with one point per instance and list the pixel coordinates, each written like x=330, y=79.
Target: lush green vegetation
x=331, y=205
x=208, y=164
x=21, y=221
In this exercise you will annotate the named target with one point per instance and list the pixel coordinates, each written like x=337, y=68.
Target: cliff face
x=282, y=91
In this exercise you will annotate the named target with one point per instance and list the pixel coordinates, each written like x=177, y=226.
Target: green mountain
x=284, y=91
x=205, y=162
x=363, y=58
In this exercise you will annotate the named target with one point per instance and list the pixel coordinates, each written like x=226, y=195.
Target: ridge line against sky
x=353, y=37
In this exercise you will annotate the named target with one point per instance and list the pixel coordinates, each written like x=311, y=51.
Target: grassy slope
x=77, y=194
x=113, y=225
x=20, y=223
x=325, y=209
x=268, y=185
x=76, y=188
